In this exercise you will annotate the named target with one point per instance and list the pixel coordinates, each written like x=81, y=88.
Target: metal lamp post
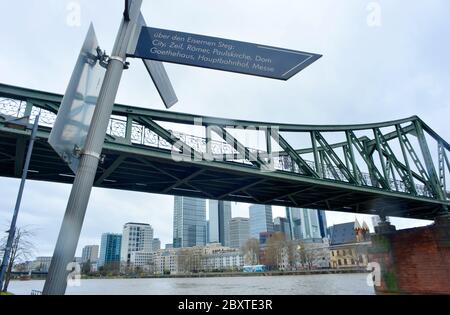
x=12, y=229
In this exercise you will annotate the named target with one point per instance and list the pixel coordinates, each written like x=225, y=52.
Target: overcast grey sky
x=369, y=73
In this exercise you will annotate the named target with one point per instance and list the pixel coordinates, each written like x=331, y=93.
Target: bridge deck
x=327, y=183
x=154, y=171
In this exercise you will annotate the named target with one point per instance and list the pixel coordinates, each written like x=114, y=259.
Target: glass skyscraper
x=282, y=225
x=294, y=218
x=261, y=220
x=239, y=232
x=110, y=249
x=306, y=223
x=219, y=222
x=189, y=222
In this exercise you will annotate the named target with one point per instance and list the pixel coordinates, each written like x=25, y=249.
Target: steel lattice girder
x=139, y=167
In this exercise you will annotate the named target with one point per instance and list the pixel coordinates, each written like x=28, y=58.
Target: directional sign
x=155, y=69
x=77, y=107
x=220, y=54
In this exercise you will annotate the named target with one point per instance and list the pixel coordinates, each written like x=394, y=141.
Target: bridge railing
x=408, y=169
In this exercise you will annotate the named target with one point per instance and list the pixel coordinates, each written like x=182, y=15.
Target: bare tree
x=291, y=252
x=310, y=255
x=250, y=250
x=190, y=260
x=21, y=251
x=110, y=269
x=183, y=260
x=276, y=245
x=87, y=267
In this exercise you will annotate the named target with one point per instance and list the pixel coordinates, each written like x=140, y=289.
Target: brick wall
x=414, y=261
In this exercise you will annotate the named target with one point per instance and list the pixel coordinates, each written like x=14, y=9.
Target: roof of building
x=357, y=225
x=342, y=233
x=365, y=226
x=134, y=223
x=239, y=219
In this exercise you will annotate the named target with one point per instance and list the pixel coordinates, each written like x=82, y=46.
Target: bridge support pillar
x=413, y=261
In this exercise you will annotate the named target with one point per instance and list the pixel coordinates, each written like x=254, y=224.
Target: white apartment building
x=90, y=253
x=136, y=237
x=213, y=257
x=166, y=261
x=41, y=264
x=143, y=260
x=226, y=261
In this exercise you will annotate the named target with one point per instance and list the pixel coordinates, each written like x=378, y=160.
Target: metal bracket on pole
x=126, y=64
x=102, y=58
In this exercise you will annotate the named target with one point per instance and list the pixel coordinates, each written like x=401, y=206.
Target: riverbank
x=258, y=274
x=224, y=274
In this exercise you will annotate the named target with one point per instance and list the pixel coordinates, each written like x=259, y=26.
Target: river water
x=329, y=284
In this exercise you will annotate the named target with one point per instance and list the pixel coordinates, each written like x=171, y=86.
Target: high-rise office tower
x=293, y=216
x=189, y=222
x=156, y=244
x=110, y=249
x=207, y=232
x=89, y=253
x=282, y=225
x=323, y=226
x=136, y=237
x=306, y=223
x=219, y=222
x=261, y=220
x=239, y=232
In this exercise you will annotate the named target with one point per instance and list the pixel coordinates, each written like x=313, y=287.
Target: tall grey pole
x=12, y=229
x=69, y=233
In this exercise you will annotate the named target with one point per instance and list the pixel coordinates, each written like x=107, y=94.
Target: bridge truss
x=396, y=168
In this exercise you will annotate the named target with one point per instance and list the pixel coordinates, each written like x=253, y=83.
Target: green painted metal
x=374, y=172
x=244, y=152
x=316, y=154
x=302, y=164
x=334, y=157
x=441, y=162
x=394, y=162
x=433, y=178
x=423, y=174
x=353, y=184
x=329, y=165
x=350, y=154
x=108, y=171
x=383, y=162
x=405, y=158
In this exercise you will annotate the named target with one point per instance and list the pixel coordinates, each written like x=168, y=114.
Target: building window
x=340, y=262
x=345, y=261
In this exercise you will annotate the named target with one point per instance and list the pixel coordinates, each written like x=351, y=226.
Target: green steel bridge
x=398, y=168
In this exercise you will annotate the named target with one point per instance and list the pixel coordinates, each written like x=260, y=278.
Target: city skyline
x=238, y=210
x=300, y=228
x=320, y=92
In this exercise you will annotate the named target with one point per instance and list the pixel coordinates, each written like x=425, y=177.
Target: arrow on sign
x=220, y=54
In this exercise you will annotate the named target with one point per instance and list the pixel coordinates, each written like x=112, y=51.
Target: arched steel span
x=397, y=168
